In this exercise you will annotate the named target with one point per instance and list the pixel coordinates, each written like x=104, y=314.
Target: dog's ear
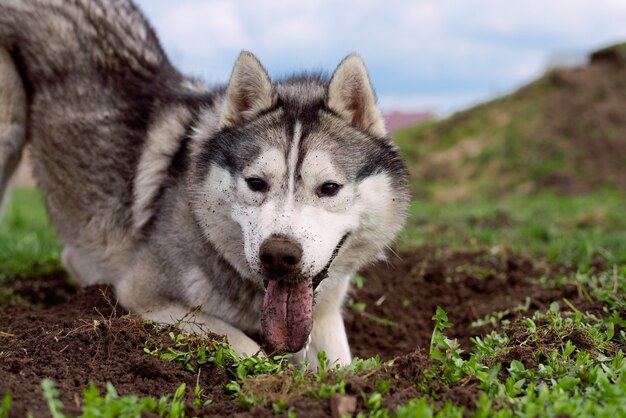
x=249, y=91
x=350, y=94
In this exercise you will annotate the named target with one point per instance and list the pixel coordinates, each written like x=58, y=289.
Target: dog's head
x=299, y=183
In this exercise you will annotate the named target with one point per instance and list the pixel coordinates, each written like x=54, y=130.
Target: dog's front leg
x=198, y=322
x=329, y=335
x=138, y=292
x=329, y=332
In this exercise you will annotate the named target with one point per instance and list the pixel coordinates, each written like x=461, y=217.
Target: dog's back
x=92, y=73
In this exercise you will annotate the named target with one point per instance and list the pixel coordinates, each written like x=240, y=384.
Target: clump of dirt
x=521, y=353
x=80, y=337
x=530, y=346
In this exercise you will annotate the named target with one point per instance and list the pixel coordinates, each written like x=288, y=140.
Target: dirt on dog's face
x=294, y=195
x=284, y=220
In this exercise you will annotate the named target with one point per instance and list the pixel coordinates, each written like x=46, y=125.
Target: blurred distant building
x=396, y=119
x=24, y=174
x=567, y=60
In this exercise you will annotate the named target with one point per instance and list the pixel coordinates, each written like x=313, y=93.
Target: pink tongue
x=287, y=315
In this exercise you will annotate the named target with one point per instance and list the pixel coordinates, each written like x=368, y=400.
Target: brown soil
x=77, y=337
x=402, y=296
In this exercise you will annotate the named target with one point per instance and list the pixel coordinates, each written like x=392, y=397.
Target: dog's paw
x=243, y=345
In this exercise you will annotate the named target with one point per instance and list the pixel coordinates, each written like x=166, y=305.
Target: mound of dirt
x=401, y=297
x=87, y=339
x=565, y=132
x=83, y=337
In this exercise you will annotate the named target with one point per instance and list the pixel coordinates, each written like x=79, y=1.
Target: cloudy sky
x=438, y=55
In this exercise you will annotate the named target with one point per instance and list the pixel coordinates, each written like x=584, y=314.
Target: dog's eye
x=257, y=185
x=329, y=189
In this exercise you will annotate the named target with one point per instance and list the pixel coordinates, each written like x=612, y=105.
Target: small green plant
x=112, y=405
x=359, y=281
x=357, y=306
x=244, y=398
x=374, y=402
x=279, y=406
x=323, y=369
x=5, y=407
x=51, y=395
x=175, y=408
x=438, y=338
x=358, y=365
x=256, y=365
x=360, y=308
x=198, y=394
x=194, y=351
x=383, y=386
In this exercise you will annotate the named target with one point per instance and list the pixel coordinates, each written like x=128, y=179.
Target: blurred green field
x=583, y=231
x=28, y=245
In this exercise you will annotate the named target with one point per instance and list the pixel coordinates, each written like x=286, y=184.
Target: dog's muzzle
x=287, y=318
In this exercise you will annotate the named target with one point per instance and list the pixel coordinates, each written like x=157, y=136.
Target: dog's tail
x=13, y=106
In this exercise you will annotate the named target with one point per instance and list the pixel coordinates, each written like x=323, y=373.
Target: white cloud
x=568, y=20
x=432, y=48
x=440, y=104
x=193, y=25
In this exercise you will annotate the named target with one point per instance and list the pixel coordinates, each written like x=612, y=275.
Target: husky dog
x=249, y=205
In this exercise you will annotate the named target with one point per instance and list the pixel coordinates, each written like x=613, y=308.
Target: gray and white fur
x=233, y=203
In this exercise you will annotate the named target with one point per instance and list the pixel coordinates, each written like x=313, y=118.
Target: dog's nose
x=280, y=256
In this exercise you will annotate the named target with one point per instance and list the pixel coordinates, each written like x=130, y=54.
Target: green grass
x=112, y=405
x=28, y=246
x=576, y=230
x=576, y=368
